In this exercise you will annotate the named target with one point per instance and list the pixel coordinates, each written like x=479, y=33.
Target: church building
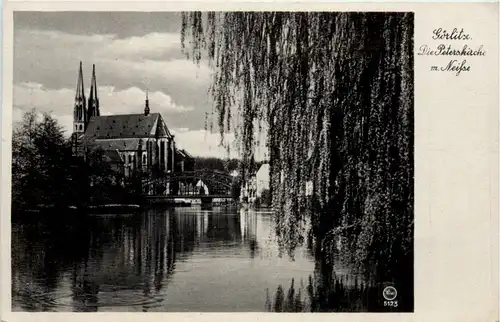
x=129, y=141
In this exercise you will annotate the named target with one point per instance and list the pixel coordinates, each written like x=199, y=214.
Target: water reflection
x=335, y=288
x=185, y=259
x=317, y=294
x=91, y=263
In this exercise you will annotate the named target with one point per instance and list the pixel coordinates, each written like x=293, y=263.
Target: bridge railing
x=198, y=182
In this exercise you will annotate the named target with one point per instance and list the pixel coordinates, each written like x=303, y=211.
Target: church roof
x=126, y=126
x=129, y=144
x=112, y=156
x=183, y=154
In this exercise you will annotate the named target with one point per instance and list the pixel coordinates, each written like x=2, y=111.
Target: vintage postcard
x=250, y=158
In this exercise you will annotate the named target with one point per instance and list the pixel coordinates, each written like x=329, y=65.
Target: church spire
x=93, y=99
x=146, y=108
x=80, y=110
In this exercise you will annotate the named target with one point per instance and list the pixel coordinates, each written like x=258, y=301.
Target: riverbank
x=116, y=208
x=57, y=211
x=113, y=207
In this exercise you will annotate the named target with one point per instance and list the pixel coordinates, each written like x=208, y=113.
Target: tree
x=38, y=153
x=212, y=163
x=24, y=156
x=335, y=91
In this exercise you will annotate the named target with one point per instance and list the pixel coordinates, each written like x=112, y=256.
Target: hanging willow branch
x=335, y=92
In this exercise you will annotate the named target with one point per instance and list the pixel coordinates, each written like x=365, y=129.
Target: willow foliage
x=335, y=91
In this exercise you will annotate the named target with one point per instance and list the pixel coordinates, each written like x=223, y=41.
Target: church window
x=162, y=154
x=129, y=158
x=149, y=152
x=144, y=159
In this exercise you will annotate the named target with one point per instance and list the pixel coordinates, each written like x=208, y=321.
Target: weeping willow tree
x=335, y=93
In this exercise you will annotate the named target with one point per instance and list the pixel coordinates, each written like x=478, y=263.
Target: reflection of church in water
x=129, y=141
x=144, y=259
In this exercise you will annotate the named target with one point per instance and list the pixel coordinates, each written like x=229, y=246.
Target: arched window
x=144, y=159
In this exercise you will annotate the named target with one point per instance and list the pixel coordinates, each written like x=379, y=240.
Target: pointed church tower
x=93, y=99
x=80, y=110
x=146, y=108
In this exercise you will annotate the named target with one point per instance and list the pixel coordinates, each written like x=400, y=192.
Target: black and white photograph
x=212, y=161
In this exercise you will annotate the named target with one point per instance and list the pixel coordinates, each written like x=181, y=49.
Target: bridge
x=205, y=185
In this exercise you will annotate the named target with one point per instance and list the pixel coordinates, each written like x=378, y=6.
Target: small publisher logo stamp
x=390, y=293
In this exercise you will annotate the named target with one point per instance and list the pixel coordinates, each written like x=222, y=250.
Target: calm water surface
x=185, y=259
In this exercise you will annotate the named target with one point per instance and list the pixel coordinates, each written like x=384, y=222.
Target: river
x=174, y=260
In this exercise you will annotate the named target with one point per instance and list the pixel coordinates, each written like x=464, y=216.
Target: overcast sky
x=132, y=52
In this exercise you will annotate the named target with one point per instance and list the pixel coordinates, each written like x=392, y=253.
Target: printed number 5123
x=391, y=303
